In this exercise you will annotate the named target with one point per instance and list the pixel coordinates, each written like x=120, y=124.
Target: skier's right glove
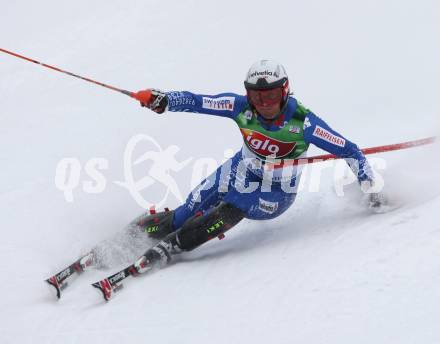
x=153, y=99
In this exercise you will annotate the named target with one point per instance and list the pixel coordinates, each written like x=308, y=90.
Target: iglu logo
x=266, y=146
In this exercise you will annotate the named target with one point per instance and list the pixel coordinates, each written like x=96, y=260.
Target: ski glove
x=153, y=99
x=376, y=199
x=378, y=202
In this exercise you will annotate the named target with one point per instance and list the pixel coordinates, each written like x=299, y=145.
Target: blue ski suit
x=243, y=180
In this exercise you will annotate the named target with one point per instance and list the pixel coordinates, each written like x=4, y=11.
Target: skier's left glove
x=377, y=202
x=153, y=99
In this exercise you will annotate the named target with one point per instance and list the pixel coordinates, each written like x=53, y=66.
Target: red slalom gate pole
x=366, y=151
x=142, y=96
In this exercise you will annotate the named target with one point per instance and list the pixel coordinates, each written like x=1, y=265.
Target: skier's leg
x=205, y=196
x=199, y=229
x=159, y=225
x=235, y=205
x=194, y=232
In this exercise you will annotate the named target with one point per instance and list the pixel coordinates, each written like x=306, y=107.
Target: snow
x=326, y=271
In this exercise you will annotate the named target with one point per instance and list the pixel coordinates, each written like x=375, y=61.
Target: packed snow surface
x=327, y=271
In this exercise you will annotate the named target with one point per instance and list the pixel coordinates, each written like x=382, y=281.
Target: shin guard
x=199, y=229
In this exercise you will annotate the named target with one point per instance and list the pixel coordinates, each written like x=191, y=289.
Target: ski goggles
x=265, y=97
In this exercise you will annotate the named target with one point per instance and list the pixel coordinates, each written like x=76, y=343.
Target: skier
x=260, y=181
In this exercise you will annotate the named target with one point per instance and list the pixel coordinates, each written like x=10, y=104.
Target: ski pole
x=142, y=96
x=386, y=148
x=370, y=150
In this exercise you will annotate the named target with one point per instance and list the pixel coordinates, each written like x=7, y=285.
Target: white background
x=326, y=271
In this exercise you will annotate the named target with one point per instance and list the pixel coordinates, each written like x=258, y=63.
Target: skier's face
x=266, y=102
x=269, y=111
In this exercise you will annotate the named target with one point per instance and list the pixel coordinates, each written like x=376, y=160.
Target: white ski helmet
x=268, y=74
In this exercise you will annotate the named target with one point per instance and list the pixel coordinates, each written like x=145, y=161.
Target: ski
x=61, y=280
x=112, y=284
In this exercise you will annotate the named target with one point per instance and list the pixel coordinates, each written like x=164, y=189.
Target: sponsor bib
x=266, y=146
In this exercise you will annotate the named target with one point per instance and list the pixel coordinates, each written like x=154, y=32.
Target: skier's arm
x=319, y=133
x=224, y=104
